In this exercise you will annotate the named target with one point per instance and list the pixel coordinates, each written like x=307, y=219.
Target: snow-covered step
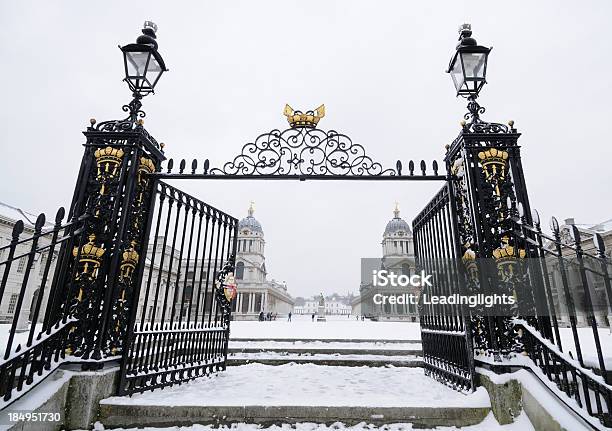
x=326, y=340
x=326, y=347
x=291, y=393
x=336, y=359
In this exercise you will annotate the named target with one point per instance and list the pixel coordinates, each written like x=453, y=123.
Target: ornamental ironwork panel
x=303, y=151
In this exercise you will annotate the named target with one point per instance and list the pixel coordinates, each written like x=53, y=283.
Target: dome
x=250, y=222
x=397, y=224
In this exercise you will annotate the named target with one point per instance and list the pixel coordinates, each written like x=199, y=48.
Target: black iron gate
x=179, y=324
x=448, y=355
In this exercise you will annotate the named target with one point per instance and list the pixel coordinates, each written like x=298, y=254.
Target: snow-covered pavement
x=336, y=327
x=311, y=385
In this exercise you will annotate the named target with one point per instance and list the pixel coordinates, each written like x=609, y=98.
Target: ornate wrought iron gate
x=179, y=324
x=446, y=337
x=144, y=271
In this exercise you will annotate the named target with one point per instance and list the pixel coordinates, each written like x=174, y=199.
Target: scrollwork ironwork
x=132, y=123
x=303, y=151
x=474, y=124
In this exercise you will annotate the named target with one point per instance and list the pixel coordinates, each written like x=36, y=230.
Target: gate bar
x=165, y=176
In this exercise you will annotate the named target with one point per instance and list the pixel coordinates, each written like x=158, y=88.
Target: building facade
x=397, y=258
x=333, y=307
x=256, y=293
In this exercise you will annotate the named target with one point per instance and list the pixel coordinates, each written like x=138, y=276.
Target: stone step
x=127, y=416
x=290, y=393
x=325, y=340
x=306, y=351
x=329, y=360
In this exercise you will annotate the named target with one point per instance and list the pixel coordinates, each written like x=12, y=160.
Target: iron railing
x=179, y=329
x=573, y=276
x=40, y=321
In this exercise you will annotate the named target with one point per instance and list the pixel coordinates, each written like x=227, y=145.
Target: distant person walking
x=289, y=317
x=261, y=316
x=313, y=317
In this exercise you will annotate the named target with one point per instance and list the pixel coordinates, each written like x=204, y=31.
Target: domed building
x=255, y=292
x=398, y=258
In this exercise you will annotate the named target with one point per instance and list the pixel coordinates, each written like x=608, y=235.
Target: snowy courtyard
x=336, y=327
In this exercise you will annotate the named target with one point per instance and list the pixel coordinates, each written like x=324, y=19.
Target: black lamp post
x=143, y=64
x=468, y=68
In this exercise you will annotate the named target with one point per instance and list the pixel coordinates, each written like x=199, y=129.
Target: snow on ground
x=335, y=327
x=489, y=424
x=314, y=345
x=311, y=385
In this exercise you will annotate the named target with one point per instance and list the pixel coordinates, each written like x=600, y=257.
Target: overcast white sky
x=379, y=68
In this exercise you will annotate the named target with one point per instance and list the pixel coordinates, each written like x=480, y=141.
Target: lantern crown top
x=148, y=36
x=465, y=36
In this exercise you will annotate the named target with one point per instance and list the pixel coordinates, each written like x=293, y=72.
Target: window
x=43, y=263
x=21, y=265
x=12, y=303
x=240, y=270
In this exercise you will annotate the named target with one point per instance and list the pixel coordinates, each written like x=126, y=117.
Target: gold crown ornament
x=506, y=257
x=90, y=257
x=108, y=160
x=309, y=119
x=146, y=166
x=493, y=162
x=129, y=261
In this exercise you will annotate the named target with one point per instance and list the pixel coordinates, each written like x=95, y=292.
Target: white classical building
x=333, y=306
x=397, y=257
x=255, y=292
x=9, y=215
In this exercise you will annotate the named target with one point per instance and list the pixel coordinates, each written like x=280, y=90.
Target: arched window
x=240, y=270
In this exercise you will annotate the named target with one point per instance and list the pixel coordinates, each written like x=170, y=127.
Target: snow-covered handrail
x=589, y=390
